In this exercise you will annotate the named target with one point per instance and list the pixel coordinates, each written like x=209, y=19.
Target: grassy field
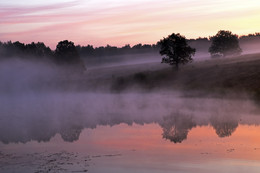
x=230, y=76
x=233, y=75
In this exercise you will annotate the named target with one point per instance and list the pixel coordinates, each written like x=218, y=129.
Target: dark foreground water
x=127, y=133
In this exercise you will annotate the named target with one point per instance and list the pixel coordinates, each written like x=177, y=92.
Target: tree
x=18, y=48
x=66, y=53
x=176, y=50
x=38, y=50
x=224, y=43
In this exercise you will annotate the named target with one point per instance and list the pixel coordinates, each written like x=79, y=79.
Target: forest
x=40, y=50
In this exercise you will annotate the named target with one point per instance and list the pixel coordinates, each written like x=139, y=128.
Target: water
x=128, y=132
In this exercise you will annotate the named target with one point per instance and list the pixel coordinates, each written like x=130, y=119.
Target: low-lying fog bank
x=40, y=116
x=225, y=76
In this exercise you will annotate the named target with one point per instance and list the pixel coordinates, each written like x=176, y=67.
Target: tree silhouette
x=38, y=50
x=18, y=48
x=176, y=50
x=66, y=53
x=224, y=43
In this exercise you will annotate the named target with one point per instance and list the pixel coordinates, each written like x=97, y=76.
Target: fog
x=201, y=54
x=39, y=100
x=134, y=59
x=249, y=47
x=21, y=76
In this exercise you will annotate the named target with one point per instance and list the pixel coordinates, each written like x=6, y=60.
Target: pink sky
x=119, y=22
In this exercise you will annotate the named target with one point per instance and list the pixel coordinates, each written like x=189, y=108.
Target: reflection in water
x=40, y=117
x=176, y=127
x=71, y=134
x=224, y=127
x=85, y=122
x=138, y=148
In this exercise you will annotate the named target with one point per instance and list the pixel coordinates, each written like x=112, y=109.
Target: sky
x=120, y=22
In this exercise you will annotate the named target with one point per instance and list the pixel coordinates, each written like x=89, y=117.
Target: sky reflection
x=140, y=148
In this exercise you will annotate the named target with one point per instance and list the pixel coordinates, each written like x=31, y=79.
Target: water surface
x=128, y=132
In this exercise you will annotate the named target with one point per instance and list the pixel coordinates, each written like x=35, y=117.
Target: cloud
x=120, y=22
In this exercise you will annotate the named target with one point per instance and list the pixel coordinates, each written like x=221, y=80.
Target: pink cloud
x=117, y=25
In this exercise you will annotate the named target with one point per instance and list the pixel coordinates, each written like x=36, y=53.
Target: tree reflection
x=224, y=127
x=70, y=134
x=176, y=127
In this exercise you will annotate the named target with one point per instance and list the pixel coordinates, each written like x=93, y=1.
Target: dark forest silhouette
x=40, y=51
x=21, y=50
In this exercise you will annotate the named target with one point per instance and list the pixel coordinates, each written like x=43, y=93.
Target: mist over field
x=202, y=54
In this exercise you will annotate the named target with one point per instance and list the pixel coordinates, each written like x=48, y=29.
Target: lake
x=128, y=132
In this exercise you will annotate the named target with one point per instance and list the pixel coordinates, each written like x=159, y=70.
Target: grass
x=225, y=75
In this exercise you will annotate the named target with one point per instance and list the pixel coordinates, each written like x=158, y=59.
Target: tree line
x=40, y=50
x=175, y=49
x=64, y=54
x=90, y=52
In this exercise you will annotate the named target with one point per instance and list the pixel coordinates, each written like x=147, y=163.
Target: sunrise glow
x=118, y=23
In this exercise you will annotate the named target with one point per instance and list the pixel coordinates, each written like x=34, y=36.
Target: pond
x=128, y=132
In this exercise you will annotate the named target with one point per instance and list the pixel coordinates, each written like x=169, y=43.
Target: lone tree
x=224, y=43
x=176, y=50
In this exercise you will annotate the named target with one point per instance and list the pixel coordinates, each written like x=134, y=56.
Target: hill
x=233, y=75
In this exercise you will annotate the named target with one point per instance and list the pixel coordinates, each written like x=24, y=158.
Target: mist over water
x=32, y=108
